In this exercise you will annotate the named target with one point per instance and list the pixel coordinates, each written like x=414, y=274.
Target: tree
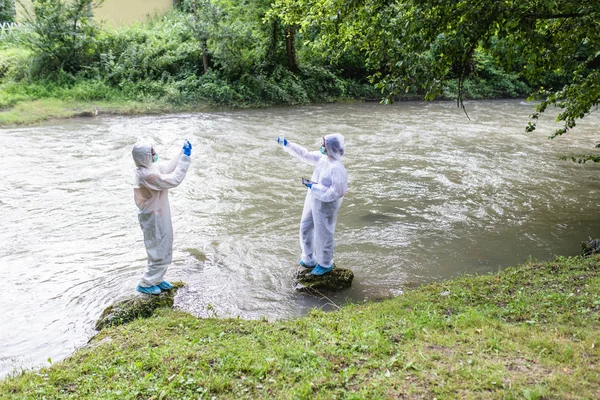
x=239, y=38
x=63, y=35
x=205, y=18
x=423, y=43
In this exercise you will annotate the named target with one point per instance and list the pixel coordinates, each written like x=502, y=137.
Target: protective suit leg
x=325, y=217
x=158, y=238
x=305, y=265
x=307, y=233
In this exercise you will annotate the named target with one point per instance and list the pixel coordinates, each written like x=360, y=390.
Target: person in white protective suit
x=152, y=182
x=326, y=190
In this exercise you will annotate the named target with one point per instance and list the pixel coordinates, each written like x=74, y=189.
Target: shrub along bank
x=529, y=332
x=205, y=54
x=63, y=58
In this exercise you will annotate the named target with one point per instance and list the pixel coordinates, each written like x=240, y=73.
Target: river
x=433, y=195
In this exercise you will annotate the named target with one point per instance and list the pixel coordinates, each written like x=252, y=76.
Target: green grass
x=35, y=111
x=26, y=103
x=529, y=332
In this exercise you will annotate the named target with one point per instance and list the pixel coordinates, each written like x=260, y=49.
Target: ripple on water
x=432, y=195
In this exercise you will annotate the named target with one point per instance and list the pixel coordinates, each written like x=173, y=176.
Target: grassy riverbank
x=36, y=111
x=528, y=332
x=34, y=102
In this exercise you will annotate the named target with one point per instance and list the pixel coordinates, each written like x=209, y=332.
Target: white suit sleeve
x=309, y=157
x=168, y=167
x=169, y=180
x=337, y=190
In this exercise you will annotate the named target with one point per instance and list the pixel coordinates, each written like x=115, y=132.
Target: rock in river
x=337, y=279
x=136, y=306
x=590, y=247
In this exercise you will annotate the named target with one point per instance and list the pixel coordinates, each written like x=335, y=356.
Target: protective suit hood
x=334, y=144
x=142, y=154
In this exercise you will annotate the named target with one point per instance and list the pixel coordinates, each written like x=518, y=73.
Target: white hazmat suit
x=323, y=199
x=152, y=181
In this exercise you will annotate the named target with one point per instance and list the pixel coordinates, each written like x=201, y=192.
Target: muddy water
x=432, y=195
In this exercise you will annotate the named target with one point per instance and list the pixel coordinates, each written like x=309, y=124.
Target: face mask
x=323, y=150
x=155, y=158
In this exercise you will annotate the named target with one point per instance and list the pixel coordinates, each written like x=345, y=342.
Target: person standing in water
x=326, y=190
x=152, y=182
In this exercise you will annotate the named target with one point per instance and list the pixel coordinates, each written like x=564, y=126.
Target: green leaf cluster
x=62, y=35
x=552, y=46
x=7, y=11
x=212, y=51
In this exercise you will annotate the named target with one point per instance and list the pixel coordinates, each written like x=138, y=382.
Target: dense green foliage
x=551, y=45
x=529, y=332
x=268, y=52
x=214, y=52
x=7, y=10
x=218, y=52
x=62, y=35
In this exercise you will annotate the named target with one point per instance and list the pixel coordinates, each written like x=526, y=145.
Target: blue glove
x=308, y=185
x=187, y=148
x=285, y=141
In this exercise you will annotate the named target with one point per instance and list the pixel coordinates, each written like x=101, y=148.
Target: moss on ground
x=337, y=279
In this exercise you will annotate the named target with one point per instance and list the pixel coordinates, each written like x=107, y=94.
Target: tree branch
x=557, y=16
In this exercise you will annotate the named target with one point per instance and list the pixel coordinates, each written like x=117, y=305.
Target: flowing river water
x=432, y=195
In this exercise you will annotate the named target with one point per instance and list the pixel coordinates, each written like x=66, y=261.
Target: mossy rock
x=137, y=306
x=337, y=279
x=590, y=247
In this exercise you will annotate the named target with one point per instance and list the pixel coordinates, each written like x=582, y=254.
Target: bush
x=60, y=86
x=488, y=81
x=162, y=60
x=63, y=36
x=7, y=11
x=14, y=64
x=163, y=51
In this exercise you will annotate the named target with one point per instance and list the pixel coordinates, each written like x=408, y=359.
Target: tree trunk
x=204, y=56
x=272, y=54
x=290, y=47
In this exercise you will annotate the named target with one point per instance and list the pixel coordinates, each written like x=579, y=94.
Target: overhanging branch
x=557, y=16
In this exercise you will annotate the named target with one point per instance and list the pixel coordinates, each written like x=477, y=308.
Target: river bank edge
x=32, y=112
x=529, y=331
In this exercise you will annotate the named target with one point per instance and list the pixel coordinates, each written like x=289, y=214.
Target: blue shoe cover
x=148, y=290
x=319, y=270
x=164, y=285
x=305, y=265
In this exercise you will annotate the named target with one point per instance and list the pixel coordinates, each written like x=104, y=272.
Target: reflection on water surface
x=432, y=195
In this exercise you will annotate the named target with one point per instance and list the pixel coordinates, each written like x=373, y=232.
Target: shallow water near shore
x=432, y=195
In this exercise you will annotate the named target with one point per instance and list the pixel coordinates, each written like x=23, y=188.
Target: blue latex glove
x=308, y=185
x=187, y=148
x=285, y=141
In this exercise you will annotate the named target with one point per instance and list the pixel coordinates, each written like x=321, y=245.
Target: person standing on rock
x=326, y=190
x=152, y=182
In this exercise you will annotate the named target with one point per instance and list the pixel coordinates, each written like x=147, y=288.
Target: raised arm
x=167, y=168
x=171, y=179
x=309, y=157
